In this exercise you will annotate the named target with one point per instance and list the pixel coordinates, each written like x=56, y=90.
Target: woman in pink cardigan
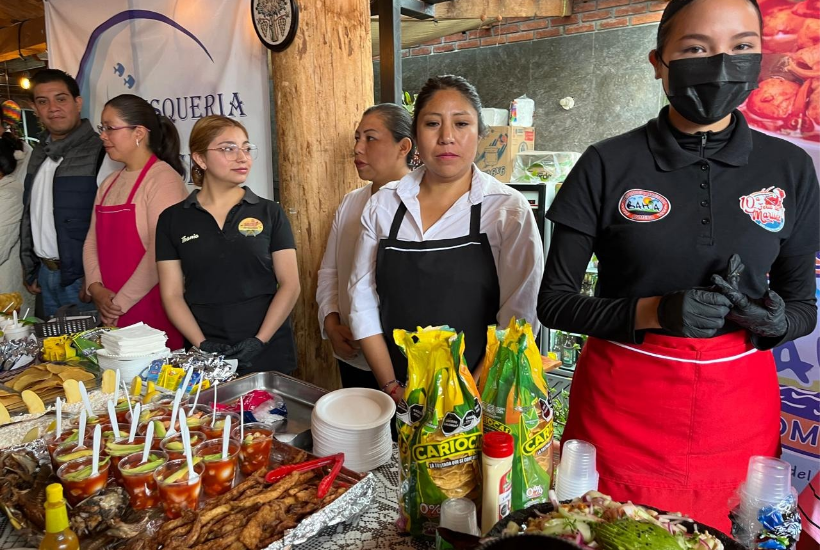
x=118, y=256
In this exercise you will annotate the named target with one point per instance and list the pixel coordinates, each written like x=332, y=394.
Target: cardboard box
x=497, y=151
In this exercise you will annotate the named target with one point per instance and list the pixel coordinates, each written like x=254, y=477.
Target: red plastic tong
x=327, y=482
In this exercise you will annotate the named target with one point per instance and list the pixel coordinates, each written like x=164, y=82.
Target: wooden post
x=321, y=85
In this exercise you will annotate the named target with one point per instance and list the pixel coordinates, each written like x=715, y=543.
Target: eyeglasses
x=104, y=128
x=231, y=152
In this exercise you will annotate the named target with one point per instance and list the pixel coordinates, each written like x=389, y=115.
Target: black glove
x=695, y=313
x=245, y=351
x=209, y=346
x=765, y=316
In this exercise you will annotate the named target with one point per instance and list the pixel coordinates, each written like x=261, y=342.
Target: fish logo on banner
x=766, y=208
x=639, y=205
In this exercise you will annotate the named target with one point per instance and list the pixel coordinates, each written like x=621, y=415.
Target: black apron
x=449, y=282
x=232, y=323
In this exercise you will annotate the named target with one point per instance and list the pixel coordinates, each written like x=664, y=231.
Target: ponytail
x=163, y=138
x=168, y=147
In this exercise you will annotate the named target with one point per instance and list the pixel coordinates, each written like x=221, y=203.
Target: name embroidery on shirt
x=639, y=205
x=187, y=238
x=251, y=227
x=766, y=208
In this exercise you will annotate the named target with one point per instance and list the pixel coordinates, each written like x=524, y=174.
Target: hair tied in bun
x=19, y=155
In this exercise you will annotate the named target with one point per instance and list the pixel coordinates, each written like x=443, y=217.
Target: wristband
x=398, y=384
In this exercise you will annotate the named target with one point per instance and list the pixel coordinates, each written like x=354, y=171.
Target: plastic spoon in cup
x=198, y=389
x=117, y=387
x=177, y=399
x=241, y=420
x=135, y=420
x=127, y=397
x=226, y=434
x=95, y=447
x=213, y=414
x=186, y=443
x=86, y=401
x=112, y=416
x=26, y=314
x=149, y=439
x=58, y=405
x=81, y=432
x=187, y=380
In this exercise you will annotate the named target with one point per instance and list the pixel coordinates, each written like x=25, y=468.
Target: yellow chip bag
x=515, y=397
x=439, y=428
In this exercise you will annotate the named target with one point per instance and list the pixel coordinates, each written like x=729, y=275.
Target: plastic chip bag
x=439, y=428
x=515, y=398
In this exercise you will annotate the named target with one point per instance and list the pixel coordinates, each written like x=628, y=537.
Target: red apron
x=675, y=420
x=119, y=252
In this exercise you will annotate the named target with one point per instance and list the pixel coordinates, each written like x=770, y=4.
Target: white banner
x=188, y=59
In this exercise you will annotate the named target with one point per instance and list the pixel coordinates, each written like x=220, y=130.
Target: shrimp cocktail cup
x=118, y=450
x=214, y=423
x=71, y=436
x=123, y=411
x=219, y=472
x=77, y=481
x=138, y=478
x=69, y=451
x=161, y=426
x=149, y=412
x=173, y=447
x=177, y=491
x=255, y=446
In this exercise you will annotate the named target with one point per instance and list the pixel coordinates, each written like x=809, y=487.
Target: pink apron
x=119, y=252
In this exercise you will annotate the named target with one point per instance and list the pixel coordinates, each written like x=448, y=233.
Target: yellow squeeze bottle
x=59, y=535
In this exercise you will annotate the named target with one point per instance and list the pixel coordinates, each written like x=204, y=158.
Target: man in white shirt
x=58, y=196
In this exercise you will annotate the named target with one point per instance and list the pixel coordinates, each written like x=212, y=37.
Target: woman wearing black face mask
x=687, y=216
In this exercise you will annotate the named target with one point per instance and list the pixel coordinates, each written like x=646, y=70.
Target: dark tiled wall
x=606, y=72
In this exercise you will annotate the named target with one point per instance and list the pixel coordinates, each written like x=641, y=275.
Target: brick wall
x=587, y=16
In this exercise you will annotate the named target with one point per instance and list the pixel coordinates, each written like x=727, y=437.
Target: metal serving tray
x=299, y=397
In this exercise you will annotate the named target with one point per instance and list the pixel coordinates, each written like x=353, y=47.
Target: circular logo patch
x=250, y=227
x=639, y=205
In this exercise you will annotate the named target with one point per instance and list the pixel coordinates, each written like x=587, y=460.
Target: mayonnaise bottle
x=496, y=467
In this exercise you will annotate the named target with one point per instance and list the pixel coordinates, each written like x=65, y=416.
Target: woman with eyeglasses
x=227, y=258
x=118, y=255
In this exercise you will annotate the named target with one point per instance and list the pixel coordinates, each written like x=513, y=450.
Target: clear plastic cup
x=173, y=447
x=768, y=480
x=140, y=483
x=182, y=494
x=458, y=514
x=77, y=489
x=576, y=473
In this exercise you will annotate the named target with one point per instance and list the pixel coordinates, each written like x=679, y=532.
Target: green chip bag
x=439, y=428
x=515, y=398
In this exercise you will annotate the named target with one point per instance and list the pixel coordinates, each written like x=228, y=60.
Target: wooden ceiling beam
x=491, y=9
x=15, y=11
x=32, y=39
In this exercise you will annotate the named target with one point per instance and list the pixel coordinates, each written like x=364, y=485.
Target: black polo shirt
x=228, y=265
x=663, y=218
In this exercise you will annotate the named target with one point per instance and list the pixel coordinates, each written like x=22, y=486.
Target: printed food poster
x=787, y=105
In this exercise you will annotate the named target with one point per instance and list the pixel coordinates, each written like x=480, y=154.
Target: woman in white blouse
x=446, y=244
x=383, y=152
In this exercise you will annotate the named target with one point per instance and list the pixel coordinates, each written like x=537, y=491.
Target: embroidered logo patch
x=187, y=238
x=766, y=208
x=639, y=205
x=250, y=227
